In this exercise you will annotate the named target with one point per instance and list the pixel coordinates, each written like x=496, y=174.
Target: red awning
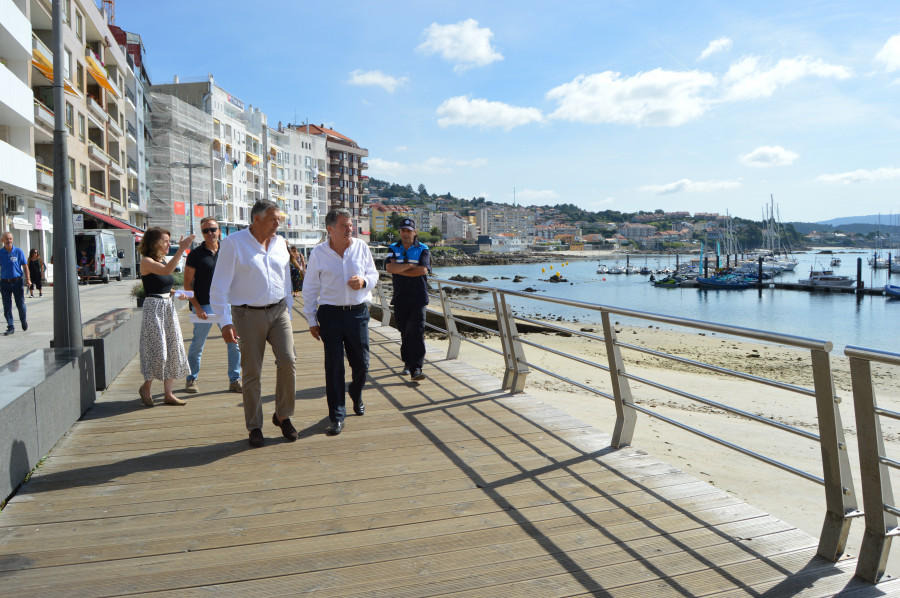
x=116, y=223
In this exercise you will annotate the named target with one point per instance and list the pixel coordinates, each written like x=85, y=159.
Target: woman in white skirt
x=162, y=347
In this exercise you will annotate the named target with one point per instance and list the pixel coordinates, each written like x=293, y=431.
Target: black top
x=203, y=261
x=34, y=270
x=410, y=290
x=157, y=284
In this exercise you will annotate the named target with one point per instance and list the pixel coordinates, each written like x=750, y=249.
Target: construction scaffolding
x=182, y=136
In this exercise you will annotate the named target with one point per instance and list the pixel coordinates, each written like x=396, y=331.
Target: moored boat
x=726, y=281
x=892, y=290
x=827, y=278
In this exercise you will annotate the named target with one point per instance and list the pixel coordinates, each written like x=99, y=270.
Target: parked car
x=100, y=245
x=173, y=249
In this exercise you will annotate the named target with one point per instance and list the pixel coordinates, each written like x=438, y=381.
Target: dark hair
x=34, y=251
x=150, y=243
x=332, y=216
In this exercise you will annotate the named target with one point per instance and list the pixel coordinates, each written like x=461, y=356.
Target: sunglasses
x=206, y=231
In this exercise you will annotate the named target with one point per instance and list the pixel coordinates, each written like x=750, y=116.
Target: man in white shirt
x=339, y=280
x=251, y=288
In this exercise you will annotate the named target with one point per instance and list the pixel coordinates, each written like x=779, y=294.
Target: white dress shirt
x=327, y=274
x=247, y=273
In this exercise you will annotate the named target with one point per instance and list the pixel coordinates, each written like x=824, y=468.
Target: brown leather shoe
x=287, y=428
x=256, y=438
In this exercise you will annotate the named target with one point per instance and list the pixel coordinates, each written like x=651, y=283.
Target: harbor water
x=842, y=318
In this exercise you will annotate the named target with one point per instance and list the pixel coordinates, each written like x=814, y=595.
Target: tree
x=394, y=220
x=435, y=232
x=422, y=191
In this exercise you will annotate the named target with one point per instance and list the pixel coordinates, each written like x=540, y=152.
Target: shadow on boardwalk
x=448, y=486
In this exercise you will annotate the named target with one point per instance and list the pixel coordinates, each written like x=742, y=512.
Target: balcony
x=133, y=202
x=44, y=116
x=363, y=165
x=96, y=109
x=44, y=177
x=115, y=167
x=115, y=128
x=98, y=198
x=98, y=154
x=132, y=167
x=129, y=95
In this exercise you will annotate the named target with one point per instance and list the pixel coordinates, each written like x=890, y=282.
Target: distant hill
x=883, y=219
x=859, y=228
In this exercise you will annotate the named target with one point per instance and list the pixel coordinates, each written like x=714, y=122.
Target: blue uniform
x=12, y=285
x=409, y=301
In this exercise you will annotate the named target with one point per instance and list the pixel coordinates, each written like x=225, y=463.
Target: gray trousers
x=256, y=327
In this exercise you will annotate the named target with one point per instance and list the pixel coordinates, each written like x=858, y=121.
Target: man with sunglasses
x=198, y=275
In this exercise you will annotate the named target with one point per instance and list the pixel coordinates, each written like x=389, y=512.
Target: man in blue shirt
x=12, y=270
x=408, y=262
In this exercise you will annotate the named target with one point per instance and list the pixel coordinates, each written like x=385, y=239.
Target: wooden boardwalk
x=445, y=487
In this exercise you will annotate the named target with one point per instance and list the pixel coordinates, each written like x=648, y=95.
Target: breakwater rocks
x=442, y=259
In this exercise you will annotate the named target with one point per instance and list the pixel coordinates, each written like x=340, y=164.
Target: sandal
x=173, y=400
x=145, y=399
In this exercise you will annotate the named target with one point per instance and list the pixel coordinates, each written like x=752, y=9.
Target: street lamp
x=190, y=165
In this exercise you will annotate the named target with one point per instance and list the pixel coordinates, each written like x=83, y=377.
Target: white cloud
x=401, y=148
x=723, y=44
x=769, y=155
x=464, y=44
x=860, y=176
x=461, y=110
x=889, y=55
x=746, y=80
x=689, y=186
x=376, y=79
x=433, y=165
x=654, y=98
x=535, y=195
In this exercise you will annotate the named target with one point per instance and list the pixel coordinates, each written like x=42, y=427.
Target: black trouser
x=410, y=320
x=344, y=331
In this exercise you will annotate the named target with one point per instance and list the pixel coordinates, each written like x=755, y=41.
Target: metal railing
x=840, y=499
x=874, y=465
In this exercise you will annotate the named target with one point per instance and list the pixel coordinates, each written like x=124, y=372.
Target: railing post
x=450, y=323
x=516, y=369
x=876, y=478
x=505, y=342
x=626, y=416
x=840, y=497
x=385, y=305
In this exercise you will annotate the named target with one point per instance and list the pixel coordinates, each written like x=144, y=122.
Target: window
x=296, y=205
x=70, y=118
x=81, y=127
x=72, y=173
x=79, y=25
x=79, y=74
x=67, y=65
x=84, y=178
x=66, y=7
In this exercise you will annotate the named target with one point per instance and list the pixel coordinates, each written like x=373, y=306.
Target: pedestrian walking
x=36, y=268
x=161, y=345
x=339, y=279
x=408, y=262
x=12, y=272
x=198, y=274
x=251, y=289
x=86, y=264
x=298, y=270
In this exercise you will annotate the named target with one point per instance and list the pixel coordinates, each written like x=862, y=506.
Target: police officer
x=408, y=261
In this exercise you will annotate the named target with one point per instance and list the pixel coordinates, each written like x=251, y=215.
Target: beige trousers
x=256, y=327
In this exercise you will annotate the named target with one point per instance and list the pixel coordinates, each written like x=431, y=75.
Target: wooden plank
x=449, y=486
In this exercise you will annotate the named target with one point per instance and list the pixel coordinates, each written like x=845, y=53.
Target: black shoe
x=256, y=438
x=359, y=408
x=287, y=428
x=24, y=325
x=335, y=428
x=417, y=374
x=405, y=372
x=9, y=331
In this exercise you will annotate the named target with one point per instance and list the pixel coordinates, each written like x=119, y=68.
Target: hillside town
x=144, y=153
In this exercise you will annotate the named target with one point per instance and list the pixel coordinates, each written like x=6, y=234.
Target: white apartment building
x=18, y=177
x=297, y=168
x=496, y=220
x=95, y=73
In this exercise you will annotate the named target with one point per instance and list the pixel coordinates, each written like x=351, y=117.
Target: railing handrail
x=836, y=475
x=45, y=169
x=877, y=355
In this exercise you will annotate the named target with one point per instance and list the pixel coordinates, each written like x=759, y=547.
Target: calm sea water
x=842, y=318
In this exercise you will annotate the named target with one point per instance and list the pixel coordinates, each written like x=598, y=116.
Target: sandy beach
x=784, y=495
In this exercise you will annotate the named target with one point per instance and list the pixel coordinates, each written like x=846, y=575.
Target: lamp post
x=190, y=165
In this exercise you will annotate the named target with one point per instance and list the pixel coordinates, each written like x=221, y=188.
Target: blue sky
x=626, y=105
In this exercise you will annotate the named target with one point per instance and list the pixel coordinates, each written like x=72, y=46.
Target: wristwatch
x=365, y=284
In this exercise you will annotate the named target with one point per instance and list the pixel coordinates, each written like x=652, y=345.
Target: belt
x=158, y=296
x=345, y=307
x=269, y=306
x=10, y=279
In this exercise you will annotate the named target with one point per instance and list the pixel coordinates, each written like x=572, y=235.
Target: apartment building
x=346, y=181
x=237, y=156
x=297, y=181
x=496, y=220
x=18, y=178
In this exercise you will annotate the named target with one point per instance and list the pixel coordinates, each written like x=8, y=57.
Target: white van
x=100, y=246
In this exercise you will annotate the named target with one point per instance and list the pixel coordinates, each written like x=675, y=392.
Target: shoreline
x=778, y=492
